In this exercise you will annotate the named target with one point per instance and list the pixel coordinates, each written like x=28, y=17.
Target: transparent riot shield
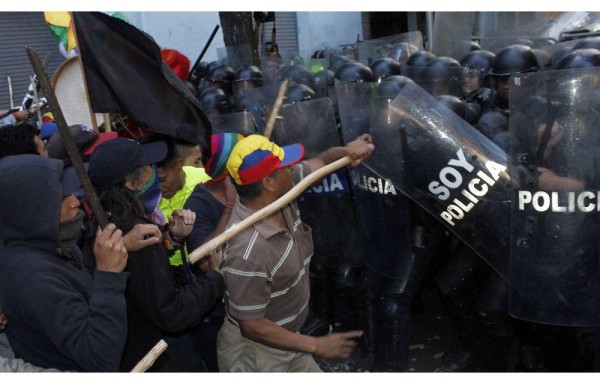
x=452, y=34
x=235, y=56
x=383, y=211
x=439, y=81
x=327, y=206
x=390, y=46
x=555, y=253
x=257, y=101
x=536, y=29
x=354, y=100
x=450, y=169
x=239, y=122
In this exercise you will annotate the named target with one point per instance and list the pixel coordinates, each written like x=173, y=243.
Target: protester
x=266, y=266
x=176, y=184
x=59, y=316
x=158, y=307
x=21, y=139
x=212, y=202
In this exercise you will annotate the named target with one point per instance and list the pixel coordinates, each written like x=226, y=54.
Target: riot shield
x=438, y=81
x=555, y=251
x=536, y=29
x=235, y=56
x=389, y=46
x=354, y=107
x=240, y=122
x=327, y=206
x=451, y=170
x=452, y=33
x=383, y=212
x=255, y=100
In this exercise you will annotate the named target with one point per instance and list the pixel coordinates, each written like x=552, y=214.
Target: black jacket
x=58, y=315
x=157, y=306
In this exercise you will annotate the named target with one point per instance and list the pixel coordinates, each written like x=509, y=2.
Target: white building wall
x=187, y=32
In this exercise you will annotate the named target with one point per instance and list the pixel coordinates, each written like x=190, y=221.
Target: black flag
x=125, y=74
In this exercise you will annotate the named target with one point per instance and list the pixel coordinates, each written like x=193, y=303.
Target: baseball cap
x=70, y=182
x=255, y=157
x=86, y=140
x=115, y=159
x=47, y=130
x=221, y=145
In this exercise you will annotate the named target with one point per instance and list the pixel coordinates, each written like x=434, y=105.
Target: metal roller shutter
x=17, y=30
x=287, y=33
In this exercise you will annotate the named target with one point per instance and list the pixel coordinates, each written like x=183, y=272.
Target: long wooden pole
x=150, y=357
x=276, y=107
x=267, y=211
x=67, y=140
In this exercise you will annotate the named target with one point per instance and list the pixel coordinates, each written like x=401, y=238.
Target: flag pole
x=87, y=94
x=66, y=137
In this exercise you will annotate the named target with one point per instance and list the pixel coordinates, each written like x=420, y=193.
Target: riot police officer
x=476, y=65
x=516, y=58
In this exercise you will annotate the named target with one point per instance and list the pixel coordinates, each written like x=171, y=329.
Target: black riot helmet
x=441, y=76
x=335, y=62
x=299, y=92
x=588, y=42
x=469, y=112
x=474, y=46
x=476, y=66
x=419, y=59
x=297, y=74
x=385, y=67
x=214, y=101
x=249, y=76
x=580, y=58
x=324, y=80
x=220, y=76
x=391, y=86
x=480, y=59
x=516, y=58
x=401, y=51
x=355, y=71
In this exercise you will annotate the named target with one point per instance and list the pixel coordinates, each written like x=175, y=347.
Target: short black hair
x=248, y=191
x=18, y=140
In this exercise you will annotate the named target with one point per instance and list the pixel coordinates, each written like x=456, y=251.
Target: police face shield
x=326, y=206
x=451, y=170
x=472, y=79
x=555, y=271
x=447, y=81
x=238, y=86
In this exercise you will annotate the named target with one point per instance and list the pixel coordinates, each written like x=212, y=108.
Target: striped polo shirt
x=266, y=268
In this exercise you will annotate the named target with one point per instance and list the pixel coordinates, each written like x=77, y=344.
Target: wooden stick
x=36, y=98
x=67, y=140
x=107, y=127
x=150, y=357
x=267, y=211
x=10, y=92
x=275, y=112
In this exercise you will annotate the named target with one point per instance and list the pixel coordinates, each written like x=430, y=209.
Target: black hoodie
x=58, y=315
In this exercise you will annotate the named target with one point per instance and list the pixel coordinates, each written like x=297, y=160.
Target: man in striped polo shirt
x=265, y=267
